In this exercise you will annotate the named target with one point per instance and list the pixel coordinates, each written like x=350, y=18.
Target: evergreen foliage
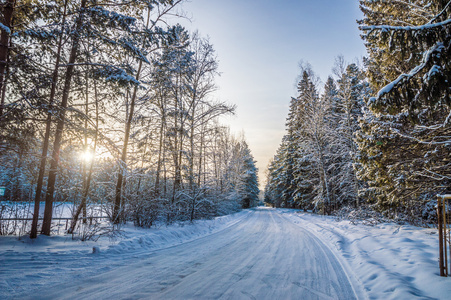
x=405, y=138
x=378, y=136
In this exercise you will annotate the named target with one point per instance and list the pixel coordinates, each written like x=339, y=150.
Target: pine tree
x=313, y=138
x=276, y=183
x=299, y=175
x=347, y=105
x=247, y=185
x=404, y=141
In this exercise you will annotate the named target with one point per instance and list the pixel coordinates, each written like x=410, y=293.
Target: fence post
x=440, y=235
x=443, y=230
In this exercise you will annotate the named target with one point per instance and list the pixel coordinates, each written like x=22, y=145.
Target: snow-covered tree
x=347, y=102
x=121, y=98
x=247, y=184
x=299, y=174
x=405, y=138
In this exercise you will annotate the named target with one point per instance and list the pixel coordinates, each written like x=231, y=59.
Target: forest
x=121, y=175
x=375, y=139
x=106, y=105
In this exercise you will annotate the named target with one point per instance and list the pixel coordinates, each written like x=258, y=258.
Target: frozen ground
x=256, y=254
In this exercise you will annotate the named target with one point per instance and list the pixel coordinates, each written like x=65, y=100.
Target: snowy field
x=257, y=254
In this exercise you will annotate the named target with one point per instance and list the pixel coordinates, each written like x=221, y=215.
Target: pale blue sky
x=259, y=44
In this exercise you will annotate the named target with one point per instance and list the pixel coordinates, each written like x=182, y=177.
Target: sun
x=86, y=156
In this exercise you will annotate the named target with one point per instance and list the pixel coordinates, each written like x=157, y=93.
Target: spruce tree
x=404, y=141
x=247, y=186
x=347, y=106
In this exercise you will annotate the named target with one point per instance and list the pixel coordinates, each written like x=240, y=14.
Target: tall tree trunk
x=180, y=152
x=8, y=11
x=180, y=159
x=165, y=175
x=157, y=177
x=60, y=126
x=351, y=159
x=201, y=154
x=87, y=186
x=86, y=148
x=45, y=146
x=324, y=179
x=123, y=161
x=142, y=166
x=204, y=166
x=215, y=162
x=175, y=148
x=16, y=189
x=191, y=158
x=161, y=145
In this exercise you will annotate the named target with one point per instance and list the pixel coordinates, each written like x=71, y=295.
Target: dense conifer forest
x=377, y=134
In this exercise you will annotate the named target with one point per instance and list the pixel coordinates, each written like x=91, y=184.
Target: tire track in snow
x=339, y=263
x=264, y=256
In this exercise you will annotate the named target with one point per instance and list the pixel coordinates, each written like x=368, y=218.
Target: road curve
x=265, y=256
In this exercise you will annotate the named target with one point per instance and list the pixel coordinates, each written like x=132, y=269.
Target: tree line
x=378, y=135
x=106, y=101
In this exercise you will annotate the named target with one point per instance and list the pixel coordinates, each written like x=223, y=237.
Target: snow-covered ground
x=260, y=254
x=391, y=261
x=30, y=265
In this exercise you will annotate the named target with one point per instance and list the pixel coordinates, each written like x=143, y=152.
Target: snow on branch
x=405, y=28
x=406, y=77
x=448, y=118
x=112, y=18
x=441, y=13
x=433, y=175
x=115, y=74
x=396, y=131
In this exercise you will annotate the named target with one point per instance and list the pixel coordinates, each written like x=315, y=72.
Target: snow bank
x=30, y=265
x=128, y=239
x=136, y=239
x=390, y=261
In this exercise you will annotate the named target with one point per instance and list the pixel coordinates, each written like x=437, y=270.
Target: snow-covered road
x=263, y=256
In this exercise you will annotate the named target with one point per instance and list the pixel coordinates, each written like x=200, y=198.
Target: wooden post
x=445, y=227
x=442, y=231
x=440, y=235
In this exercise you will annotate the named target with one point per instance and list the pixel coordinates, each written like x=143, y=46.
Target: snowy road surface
x=264, y=256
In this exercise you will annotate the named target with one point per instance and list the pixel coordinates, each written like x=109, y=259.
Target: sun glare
x=86, y=156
